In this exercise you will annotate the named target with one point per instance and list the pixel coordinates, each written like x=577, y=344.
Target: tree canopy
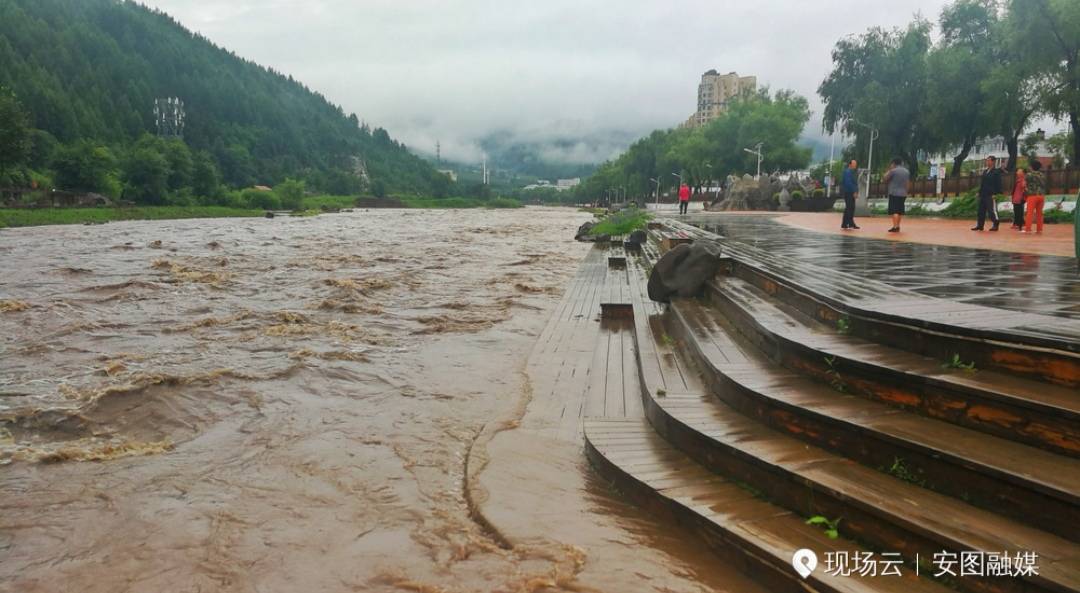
x=997, y=64
x=711, y=152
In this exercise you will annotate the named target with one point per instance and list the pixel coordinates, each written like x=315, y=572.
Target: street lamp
x=864, y=204
x=657, y=182
x=680, y=183
x=757, y=151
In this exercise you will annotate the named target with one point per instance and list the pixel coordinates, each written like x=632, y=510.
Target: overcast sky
x=455, y=70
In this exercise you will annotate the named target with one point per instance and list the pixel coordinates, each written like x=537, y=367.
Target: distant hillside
x=91, y=70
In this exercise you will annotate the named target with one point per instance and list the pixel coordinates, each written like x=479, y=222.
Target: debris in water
x=13, y=306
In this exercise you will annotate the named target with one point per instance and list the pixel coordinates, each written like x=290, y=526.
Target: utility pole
x=169, y=115
x=657, y=182
x=438, y=152
x=484, y=175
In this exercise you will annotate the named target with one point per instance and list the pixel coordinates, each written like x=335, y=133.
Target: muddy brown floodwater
x=292, y=405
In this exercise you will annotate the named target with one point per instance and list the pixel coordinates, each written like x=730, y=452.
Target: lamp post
x=679, y=180
x=757, y=151
x=828, y=174
x=709, y=184
x=657, y=182
x=862, y=205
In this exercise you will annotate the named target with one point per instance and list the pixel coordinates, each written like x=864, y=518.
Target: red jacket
x=684, y=193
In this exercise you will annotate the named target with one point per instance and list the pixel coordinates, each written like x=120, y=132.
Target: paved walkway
x=1023, y=282
x=1056, y=239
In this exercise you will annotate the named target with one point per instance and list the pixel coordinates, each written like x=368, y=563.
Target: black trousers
x=849, y=210
x=684, y=205
x=1018, y=214
x=986, y=207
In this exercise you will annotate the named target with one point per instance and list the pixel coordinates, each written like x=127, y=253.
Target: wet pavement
x=1021, y=282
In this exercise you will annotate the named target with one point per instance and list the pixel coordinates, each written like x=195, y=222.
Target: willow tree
x=1046, y=34
x=879, y=80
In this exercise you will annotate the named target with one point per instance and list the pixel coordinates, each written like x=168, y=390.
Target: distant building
x=565, y=184
x=715, y=92
x=449, y=173
x=996, y=147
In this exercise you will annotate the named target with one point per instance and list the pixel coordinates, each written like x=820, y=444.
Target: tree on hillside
x=1046, y=35
x=14, y=135
x=146, y=172
x=86, y=166
x=879, y=79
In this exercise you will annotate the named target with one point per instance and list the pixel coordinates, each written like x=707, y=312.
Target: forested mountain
x=87, y=73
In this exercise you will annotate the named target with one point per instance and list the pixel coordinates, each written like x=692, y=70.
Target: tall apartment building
x=715, y=91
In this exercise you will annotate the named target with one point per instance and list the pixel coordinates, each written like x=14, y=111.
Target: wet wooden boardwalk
x=758, y=416
x=582, y=365
x=859, y=269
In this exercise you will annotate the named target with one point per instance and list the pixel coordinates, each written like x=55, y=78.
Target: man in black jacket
x=989, y=186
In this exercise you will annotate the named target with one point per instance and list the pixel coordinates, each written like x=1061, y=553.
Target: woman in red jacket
x=684, y=198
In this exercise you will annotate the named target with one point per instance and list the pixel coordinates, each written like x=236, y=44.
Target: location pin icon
x=804, y=561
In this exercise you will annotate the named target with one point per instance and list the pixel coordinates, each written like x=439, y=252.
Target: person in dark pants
x=849, y=187
x=989, y=186
x=1018, y=195
x=897, y=178
x=684, y=198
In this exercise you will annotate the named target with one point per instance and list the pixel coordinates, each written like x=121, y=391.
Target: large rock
x=584, y=232
x=684, y=270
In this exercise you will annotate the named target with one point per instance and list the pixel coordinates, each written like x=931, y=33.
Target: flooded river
x=292, y=405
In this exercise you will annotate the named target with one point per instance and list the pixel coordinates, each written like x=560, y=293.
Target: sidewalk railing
x=1059, y=181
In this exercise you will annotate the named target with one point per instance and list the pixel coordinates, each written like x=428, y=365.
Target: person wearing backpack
x=1036, y=197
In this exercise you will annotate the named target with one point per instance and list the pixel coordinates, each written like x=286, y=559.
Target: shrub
x=796, y=195
x=819, y=193
x=290, y=193
x=503, y=203
x=265, y=200
x=622, y=222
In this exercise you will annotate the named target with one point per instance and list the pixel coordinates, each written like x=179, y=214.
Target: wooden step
x=885, y=512
x=1038, y=414
x=751, y=533
x=1036, y=487
x=878, y=509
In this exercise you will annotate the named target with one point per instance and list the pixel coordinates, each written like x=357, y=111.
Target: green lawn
x=15, y=217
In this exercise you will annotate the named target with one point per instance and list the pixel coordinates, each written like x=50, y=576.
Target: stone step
x=1036, y=487
x=1007, y=406
x=742, y=529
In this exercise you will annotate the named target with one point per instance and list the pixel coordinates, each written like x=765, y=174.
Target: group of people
x=1028, y=195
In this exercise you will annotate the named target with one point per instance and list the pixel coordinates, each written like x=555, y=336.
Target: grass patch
x=622, y=222
x=18, y=217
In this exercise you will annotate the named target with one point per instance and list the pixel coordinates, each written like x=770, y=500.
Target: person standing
x=1019, y=191
x=897, y=178
x=1036, y=197
x=849, y=187
x=684, y=198
x=989, y=186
